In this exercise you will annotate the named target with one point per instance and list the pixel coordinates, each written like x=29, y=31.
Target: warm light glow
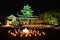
x=30, y=35
x=21, y=35
x=7, y=25
x=9, y=31
x=8, y=22
x=26, y=33
x=14, y=34
x=40, y=34
x=35, y=34
x=43, y=33
x=18, y=30
x=25, y=30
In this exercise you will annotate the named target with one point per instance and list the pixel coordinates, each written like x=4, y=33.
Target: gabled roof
x=11, y=16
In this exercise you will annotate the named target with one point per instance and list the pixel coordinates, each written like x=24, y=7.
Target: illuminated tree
x=49, y=18
x=27, y=11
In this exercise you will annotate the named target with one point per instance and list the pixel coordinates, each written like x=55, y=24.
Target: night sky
x=39, y=6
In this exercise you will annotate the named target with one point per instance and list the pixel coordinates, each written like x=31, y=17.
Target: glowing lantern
x=43, y=33
x=25, y=30
x=30, y=35
x=9, y=31
x=10, y=22
x=40, y=34
x=35, y=34
x=21, y=35
x=26, y=35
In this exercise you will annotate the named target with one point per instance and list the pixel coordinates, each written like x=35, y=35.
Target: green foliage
x=27, y=11
x=49, y=18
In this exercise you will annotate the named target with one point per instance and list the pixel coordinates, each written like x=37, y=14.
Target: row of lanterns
x=26, y=33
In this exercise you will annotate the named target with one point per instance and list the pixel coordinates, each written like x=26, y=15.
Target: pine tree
x=27, y=11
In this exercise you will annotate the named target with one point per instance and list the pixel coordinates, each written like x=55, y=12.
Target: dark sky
x=13, y=6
